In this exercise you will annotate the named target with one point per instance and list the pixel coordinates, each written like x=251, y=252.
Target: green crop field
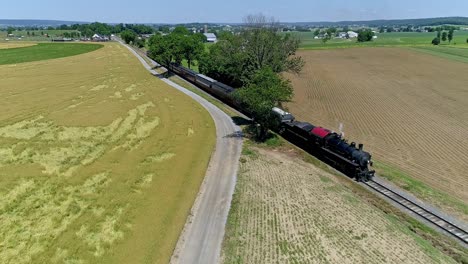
x=44, y=51
x=450, y=52
x=383, y=39
x=100, y=162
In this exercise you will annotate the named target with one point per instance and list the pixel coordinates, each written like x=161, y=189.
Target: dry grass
x=409, y=108
x=11, y=45
x=286, y=210
x=96, y=164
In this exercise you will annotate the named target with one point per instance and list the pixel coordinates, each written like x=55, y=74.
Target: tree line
x=444, y=36
x=177, y=46
x=88, y=30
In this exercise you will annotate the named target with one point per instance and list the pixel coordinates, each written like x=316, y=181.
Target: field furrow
x=408, y=108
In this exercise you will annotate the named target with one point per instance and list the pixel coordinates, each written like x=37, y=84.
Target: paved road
x=200, y=241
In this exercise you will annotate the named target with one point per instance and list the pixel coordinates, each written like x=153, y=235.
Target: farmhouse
x=210, y=37
x=342, y=35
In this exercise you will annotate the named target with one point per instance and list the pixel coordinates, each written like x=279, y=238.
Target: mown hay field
x=100, y=162
x=410, y=109
x=286, y=210
x=11, y=45
x=43, y=51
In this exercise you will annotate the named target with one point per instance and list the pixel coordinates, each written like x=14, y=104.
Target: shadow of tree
x=241, y=121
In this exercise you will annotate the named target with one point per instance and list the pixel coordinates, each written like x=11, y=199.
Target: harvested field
x=409, y=109
x=286, y=210
x=44, y=51
x=100, y=162
x=11, y=45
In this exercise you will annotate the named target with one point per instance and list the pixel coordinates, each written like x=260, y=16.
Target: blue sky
x=147, y=11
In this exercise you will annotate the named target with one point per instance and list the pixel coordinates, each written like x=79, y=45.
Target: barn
x=210, y=37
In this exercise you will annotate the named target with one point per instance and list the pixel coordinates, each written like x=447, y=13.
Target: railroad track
x=445, y=225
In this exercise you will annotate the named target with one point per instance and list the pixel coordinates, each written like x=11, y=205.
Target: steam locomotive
x=325, y=144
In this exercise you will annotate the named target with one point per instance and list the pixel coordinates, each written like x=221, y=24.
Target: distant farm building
x=352, y=34
x=342, y=35
x=99, y=38
x=210, y=37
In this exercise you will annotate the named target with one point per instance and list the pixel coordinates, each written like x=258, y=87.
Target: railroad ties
x=427, y=215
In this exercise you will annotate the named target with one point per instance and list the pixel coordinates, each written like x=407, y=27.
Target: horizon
x=208, y=22
x=209, y=11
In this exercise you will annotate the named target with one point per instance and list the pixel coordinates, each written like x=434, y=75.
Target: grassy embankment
x=100, y=161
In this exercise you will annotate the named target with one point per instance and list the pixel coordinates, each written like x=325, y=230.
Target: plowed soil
x=286, y=210
x=409, y=109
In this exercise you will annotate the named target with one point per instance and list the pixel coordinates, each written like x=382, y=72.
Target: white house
x=210, y=37
x=352, y=34
x=342, y=35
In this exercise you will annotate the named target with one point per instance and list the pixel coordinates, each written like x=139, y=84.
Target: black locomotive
x=323, y=143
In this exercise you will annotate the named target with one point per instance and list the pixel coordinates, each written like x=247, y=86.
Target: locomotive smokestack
x=361, y=146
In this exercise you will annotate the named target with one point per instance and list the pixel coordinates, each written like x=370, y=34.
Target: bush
x=365, y=35
x=435, y=41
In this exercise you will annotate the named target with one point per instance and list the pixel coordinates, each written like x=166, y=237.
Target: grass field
x=408, y=108
x=44, y=51
x=448, y=52
x=286, y=210
x=383, y=39
x=100, y=161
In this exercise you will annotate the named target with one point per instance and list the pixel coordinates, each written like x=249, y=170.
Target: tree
x=33, y=34
x=128, y=36
x=381, y=30
x=444, y=36
x=10, y=30
x=235, y=59
x=450, y=35
x=181, y=30
x=326, y=38
x=193, y=47
x=365, y=35
x=164, y=29
x=436, y=41
x=438, y=34
x=316, y=32
x=168, y=48
x=466, y=40
x=265, y=91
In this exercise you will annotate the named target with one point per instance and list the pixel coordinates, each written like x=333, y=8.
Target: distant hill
x=393, y=22
x=35, y=23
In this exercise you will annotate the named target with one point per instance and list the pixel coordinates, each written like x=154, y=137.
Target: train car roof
x=188, y=70
x=206, y=77
x=304, y=125
x=224, y=86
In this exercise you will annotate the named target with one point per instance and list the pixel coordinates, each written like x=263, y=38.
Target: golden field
x=100, y=161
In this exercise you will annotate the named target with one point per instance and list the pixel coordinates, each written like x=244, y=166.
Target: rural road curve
x=201, y=239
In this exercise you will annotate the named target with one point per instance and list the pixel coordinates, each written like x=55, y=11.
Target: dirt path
x=200, y=241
